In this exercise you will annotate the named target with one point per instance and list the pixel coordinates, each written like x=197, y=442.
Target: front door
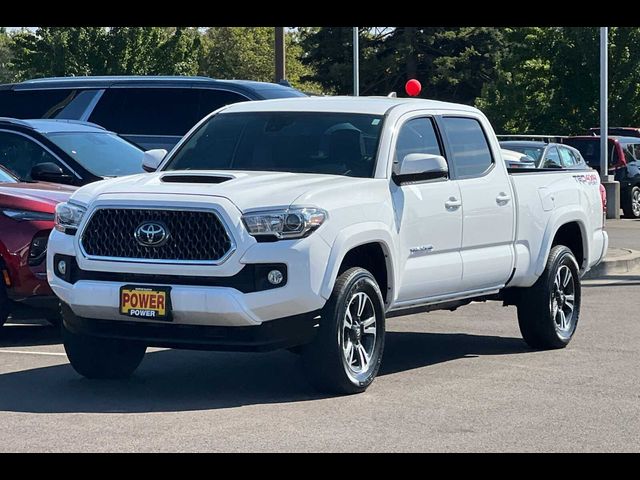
x=429, y=221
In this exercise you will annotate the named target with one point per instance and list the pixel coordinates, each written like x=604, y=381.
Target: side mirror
x=152, y=159
x=416, y=167
x=49, y=172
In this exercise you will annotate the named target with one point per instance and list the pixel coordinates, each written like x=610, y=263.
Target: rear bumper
x=272, y=335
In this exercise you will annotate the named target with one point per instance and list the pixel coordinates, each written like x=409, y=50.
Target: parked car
x=620, y=131
x=303, y=223
x=65, y=151
x=26, y=219
x=515, y=159
x=42, y=161
x=150, y=111
x=548, y=155
x=624, y=153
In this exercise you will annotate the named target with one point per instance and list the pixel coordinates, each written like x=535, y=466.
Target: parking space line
x=57, y=354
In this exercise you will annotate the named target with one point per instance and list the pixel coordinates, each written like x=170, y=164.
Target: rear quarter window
x=34, y=103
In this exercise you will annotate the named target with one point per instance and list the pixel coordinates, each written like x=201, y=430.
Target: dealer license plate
x=151, y=303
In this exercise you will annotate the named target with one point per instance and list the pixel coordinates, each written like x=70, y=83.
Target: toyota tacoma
x=304, y=223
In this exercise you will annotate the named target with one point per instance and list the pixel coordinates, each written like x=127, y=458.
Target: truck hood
x=247, y=190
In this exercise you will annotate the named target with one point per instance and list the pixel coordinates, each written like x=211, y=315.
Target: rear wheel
x=631, y=204
x=548, y=312
x=346, y=354
x=101, y=358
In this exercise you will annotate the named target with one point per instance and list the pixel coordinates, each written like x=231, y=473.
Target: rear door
x=488, y=220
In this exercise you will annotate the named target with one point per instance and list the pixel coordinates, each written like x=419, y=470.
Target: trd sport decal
x=587, y=178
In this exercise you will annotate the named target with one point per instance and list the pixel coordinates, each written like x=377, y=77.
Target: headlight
x=68, y=216
x=284, y=224
x=26, y=215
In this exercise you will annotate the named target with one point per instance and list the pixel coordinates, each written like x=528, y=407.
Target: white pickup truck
x=304, y=223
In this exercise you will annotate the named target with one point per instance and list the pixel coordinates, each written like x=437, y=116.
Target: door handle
x=502, y=198
x=453, y=203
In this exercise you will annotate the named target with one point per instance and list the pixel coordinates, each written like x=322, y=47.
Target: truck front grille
x=192, y=236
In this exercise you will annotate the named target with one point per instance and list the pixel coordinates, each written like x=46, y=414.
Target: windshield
x=303, y=142
x=534, y=152
x=103, y=154
x=5, y=177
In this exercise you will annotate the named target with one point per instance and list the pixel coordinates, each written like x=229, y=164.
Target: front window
x=301, y=142
x=102, y=154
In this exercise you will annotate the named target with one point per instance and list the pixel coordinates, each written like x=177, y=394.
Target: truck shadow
x=172, y=380
x=28, y=334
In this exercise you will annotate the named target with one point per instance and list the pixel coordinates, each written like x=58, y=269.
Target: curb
x=618, y=260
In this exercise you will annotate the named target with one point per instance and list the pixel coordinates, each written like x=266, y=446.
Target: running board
x=451, y=305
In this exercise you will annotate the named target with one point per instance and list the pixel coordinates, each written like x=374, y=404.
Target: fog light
x=62, y=267
x=275, y=277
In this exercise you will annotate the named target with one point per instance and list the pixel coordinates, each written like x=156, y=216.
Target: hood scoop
x=194, y=178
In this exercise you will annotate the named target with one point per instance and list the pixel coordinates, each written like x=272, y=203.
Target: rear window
x=34, y=103
x=148, y=111
x=589, y=148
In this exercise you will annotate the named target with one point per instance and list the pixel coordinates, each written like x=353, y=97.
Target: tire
x=336, y=360
x=5, y=305
x=631, y=204
x=541, y=322
x=102, y=358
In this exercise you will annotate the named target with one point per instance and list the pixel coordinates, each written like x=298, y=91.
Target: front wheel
x=631, y=205
x=548, y=311
x=346, y=354
x=101, y=358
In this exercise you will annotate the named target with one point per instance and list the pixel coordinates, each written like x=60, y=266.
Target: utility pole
x=611, y=186
x=280, y=55
x=356, y=62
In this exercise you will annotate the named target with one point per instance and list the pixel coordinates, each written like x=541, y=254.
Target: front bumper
x=276, y=334
x=193, y=304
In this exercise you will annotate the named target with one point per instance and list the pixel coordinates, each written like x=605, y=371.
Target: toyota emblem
x=151, y=234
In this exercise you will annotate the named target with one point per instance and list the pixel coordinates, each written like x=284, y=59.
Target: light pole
x=611, y=186
x=279, y=48
x=604, y=101
x=356, y=63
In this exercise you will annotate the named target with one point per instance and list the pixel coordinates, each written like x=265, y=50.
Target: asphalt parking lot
x=450, y=381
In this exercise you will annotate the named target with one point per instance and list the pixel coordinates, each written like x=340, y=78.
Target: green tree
x=6, y=72
x=548, y=80
x=248, y=53
x=451, y=63
x=72, y=51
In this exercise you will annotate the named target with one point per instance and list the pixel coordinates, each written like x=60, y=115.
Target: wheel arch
x=358, y=243
x=570, y=230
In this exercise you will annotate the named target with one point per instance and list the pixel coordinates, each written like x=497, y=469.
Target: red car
x=26, y=219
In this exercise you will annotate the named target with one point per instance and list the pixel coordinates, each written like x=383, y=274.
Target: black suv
x=152, y=112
